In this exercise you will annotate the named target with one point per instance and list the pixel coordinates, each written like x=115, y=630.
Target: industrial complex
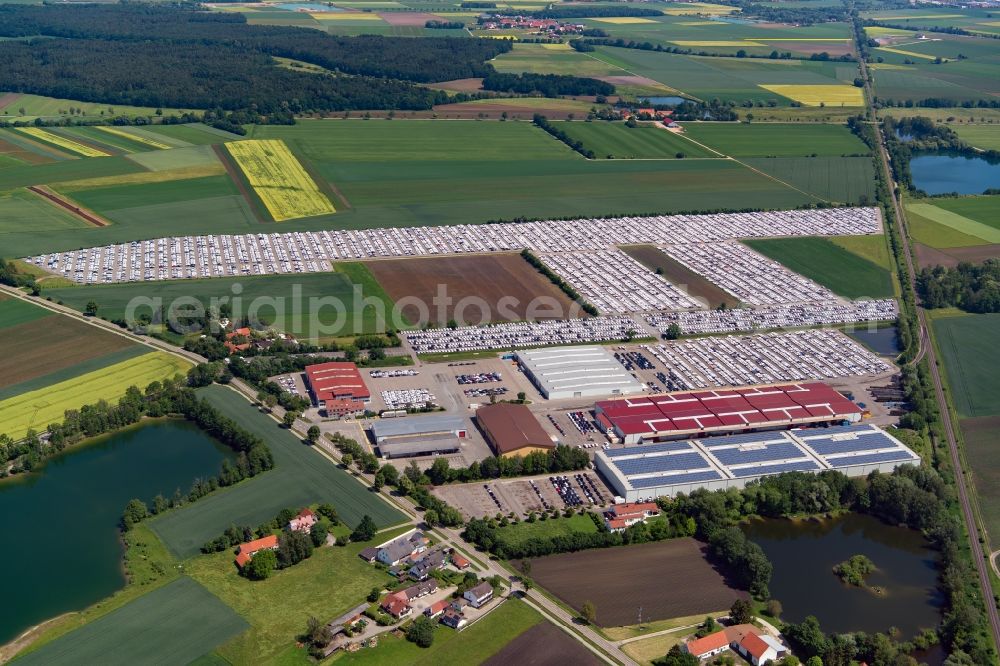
x=668, y=468
x=577, y=372
x=512, y=430
x=419, y=435
x=337, y=388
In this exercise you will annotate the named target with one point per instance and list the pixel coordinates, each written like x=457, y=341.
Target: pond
x=671, y=100
x=943, y=172
x=880, y=340
x=62, y=550
x=902, y=592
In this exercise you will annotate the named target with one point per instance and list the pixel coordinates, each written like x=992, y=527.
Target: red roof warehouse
x=337, y=380
x=717, y=411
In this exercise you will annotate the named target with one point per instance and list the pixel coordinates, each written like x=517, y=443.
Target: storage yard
x=653, y=470
x=179, y=257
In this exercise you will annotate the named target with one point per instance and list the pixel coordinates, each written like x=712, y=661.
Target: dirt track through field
x=666, y=579
x=87, y=216
x=487, y=277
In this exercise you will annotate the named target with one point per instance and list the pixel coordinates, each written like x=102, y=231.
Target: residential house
x=303, y=522
x=459, y=562
x=422, y=568
x=421, y=589
x=402, y=548
x=436, y=608
x=396, y=606
x=620, y=516
x=453, y=618
x=745, y=639
x=238, y=336
x=247, y=550
x=480, y=595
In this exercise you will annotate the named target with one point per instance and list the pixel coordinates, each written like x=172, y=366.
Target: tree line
x=973, y=288
x=529, y=256
x=548, y=85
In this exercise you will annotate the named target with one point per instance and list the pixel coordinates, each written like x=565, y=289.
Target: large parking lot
x=523, y=495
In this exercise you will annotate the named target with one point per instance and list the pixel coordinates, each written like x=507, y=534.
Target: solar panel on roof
x=675, y=479
x=679, y=461
x=832, y=430
x=889, y=456
x=826, y=447
x=649, y=448
x=746, y=438
x=797, y=466
x=780, y=451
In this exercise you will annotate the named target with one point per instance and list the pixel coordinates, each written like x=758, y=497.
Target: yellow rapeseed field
x=912, y=54
x=63, y=142
x=814, y=95
x=279, y=180
x=37, y=409
x=134, y=137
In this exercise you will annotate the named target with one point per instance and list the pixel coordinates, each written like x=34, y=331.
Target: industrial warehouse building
x=577, y=372
x=721, y=411
x=714, y=463
x=419, y=435
x=512, y=430
x=337, y=388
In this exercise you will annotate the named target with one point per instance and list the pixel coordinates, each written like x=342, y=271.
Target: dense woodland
x=550, y=85
x=159, y=56
x=974, y=288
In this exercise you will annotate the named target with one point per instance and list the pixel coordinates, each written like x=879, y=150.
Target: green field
x=970, y=347
x=106, y=200
x=37, y=106
x=949, y=218
x=982, y=438
x=872, y=248
x=177, y=623
x=14, y=311
x=986, y=137
x=616, y=140
x=473, y=645
x=849, y=180
x=272, y=298
x=75, y=370
x=301, y=477
x=540, y=60
x=980, y=209
x=776, y=139
x=519, y=533
x=843, y=272
x=324, y=586
x=405, y=173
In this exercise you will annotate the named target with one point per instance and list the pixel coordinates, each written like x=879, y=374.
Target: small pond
x=880, y=340
x=945, y=172
x=901, y=593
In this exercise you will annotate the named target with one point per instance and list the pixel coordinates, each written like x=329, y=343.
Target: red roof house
x=247, y=550
x=303, y=522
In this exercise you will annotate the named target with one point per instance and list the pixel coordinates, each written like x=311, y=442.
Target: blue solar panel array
x=781, y=451
x=830, y=430
x=889, y=456
x=649, y=448
x=675, y=479
x=871, y=442
x=798, y=466
x=678, y=461
x=748, y=438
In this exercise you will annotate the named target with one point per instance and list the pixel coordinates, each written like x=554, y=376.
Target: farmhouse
x=620, y=516
x=336, y=380
x=480, y=595
x=746, y=639
x=708, y=646
x=247, y=550
x=671, y=467
x=419, y=435
x=731, y=410
x=512, y=430
x=303, y=522
x=577, y=372
x=760, y=649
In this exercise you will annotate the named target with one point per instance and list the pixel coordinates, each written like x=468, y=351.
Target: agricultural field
x=63, y=142
x=832, y=266
x=616, y=140
x=289, y=597
x=38, y=408
x=301, y=476
x=667, y=578
x=984, y=137
x=16, y=107
x=981, y=209
x=926, y=17
x=742, y=79
x=398, y=173
x=279, y=180
x=981, y=436
x=270, y=298
x=516, y=108
x=135, y=137
x=847, y=180
x=692, y=283
x=485, y=278
x=970, y=347
x=544, y=643
x=151, y=624
x=776, y=139
x=473, y=645
x=540, y=60
x=944, y=224
x=19, y=206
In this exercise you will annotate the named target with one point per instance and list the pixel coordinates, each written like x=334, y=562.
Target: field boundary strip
x=89, y=217
x=132, y=137
x=63, y=142
x=956, y=221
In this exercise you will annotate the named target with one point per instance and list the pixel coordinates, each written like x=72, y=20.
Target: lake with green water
x=61, y=546
x=901, y=593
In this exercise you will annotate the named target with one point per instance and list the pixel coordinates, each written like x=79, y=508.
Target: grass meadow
x=843, y=272
x=970, y=347
x=849, y=180
x=301, y=476
x=178, y=622
x=612, y=139
x=776, y=139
